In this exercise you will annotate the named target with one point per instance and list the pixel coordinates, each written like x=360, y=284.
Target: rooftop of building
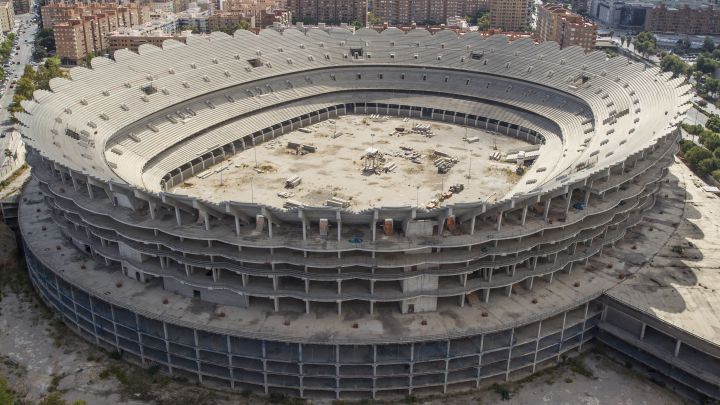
x=678, y=284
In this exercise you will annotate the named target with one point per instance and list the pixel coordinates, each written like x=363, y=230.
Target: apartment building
x=180, y=5
x=7, y=16
x=558, y=24
x=261, y=10
x=81, y=29
x=703, y=20
x=510, y=15
x=21, y=6
x=328, y=11
x=162, y=6
x=132, y=39
x=127, y=13
x=424, y=11
x=222, y=21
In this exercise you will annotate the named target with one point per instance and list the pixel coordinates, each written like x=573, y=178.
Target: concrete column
x=547, y=209
x=74, y=182
x=642, y=331
x=338, y=217
x=178, y=217
x=584, y=325
x=507, y=367
x=237, y=225
x=537, y=345
x=562, y=334
x=197, y=355
x=524, y=214
x=529, y=283
x=304, y=224
x=206, y=219
x=677, y=347
x=569, y=202
x=152, y=207
x=479, y=361
x=472, y=225
x=499, y=220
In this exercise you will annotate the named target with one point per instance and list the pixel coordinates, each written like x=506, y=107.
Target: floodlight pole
x=255, y=150
x=252, y=192
x=417, y=197
x=469, y=160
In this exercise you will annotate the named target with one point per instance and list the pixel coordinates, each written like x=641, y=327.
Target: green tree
x=88, y=59
x=711, y=142
x=682, y=46
x=696, y=154
x=708, y=45
x=706, y=64
x=708, y=165
x=713, y=123
x=7, y=397
x=645, y=43
x=484, y=22
x=673, y=63
x=373, y=19
x=55, y=398
x=31, y=81
x=712, y=86
x=244, y=25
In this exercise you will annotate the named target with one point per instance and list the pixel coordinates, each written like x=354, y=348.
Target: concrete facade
x=558, y=24
x=322, y=302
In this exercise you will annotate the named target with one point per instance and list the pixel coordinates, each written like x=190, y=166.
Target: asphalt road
x=17, y=65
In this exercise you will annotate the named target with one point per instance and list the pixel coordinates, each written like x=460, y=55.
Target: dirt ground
x=15, y=182
x=335, y=169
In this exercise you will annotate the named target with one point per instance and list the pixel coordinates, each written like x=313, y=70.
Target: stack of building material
x=337, y=202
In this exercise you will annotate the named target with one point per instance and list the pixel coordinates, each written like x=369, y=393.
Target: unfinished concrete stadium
x=328, y=214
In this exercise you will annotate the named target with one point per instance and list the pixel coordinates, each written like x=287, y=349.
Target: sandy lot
x=337, y=166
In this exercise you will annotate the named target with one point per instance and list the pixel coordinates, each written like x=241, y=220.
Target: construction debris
x=301, y=149
x=293, y=182
x=443, y=161
x=292, y=204
x=337, y=202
